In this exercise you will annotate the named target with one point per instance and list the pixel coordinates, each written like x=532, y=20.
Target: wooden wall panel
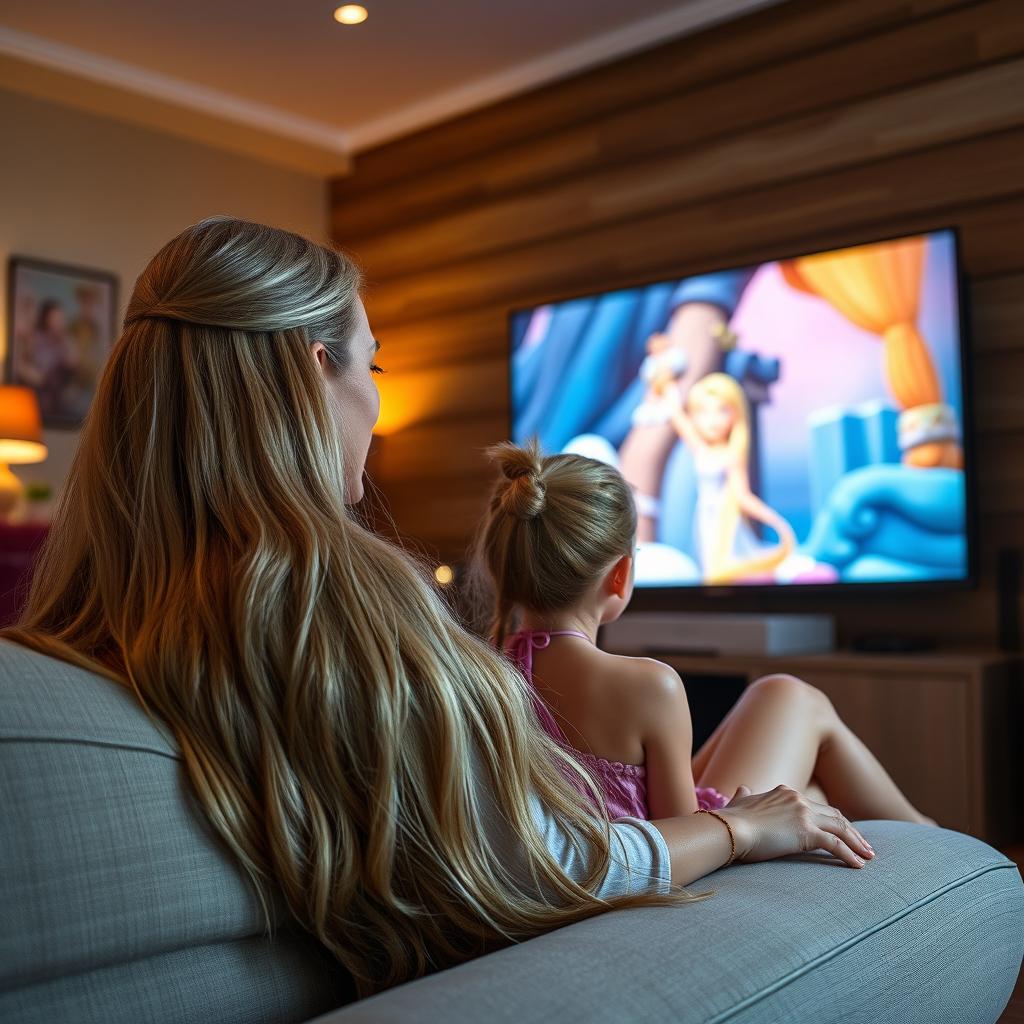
x=886, y=197
x=998, y=392
x=973, y=104
x=997, y=306
x=766, y=38
x=804, y=126
x=443, y=450
x=905, y=55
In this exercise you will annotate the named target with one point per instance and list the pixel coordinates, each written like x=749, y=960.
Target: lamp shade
x=21, y=432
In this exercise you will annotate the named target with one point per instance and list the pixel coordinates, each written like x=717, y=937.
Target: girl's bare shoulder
x=646, y=684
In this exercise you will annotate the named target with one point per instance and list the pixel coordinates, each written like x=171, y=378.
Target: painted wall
x=95, y=192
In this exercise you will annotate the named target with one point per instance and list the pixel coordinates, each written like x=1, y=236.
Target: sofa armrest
x=932, y=927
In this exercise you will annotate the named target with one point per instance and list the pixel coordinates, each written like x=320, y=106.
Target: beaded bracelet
x=732, y=838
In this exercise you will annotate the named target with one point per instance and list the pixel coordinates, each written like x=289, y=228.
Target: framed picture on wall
x=60, y=327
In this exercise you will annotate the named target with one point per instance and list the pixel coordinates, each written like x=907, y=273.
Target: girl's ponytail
x=554, y=525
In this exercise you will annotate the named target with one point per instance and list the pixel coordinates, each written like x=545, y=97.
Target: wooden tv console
x=947, y=725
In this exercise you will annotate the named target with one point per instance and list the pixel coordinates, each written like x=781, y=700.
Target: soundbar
x=709, y=633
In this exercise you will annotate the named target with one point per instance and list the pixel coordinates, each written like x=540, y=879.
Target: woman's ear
x=319, y=351
x=618, y=577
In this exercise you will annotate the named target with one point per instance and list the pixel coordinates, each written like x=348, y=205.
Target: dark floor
x=1014, y=1012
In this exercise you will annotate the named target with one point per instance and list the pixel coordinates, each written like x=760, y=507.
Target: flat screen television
x=798, y=423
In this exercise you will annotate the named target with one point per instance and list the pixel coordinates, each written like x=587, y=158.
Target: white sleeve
x=639, y=855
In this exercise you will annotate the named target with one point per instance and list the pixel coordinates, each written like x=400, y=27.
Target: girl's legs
x=782, y=730
x=815, y=792
x=701, y=758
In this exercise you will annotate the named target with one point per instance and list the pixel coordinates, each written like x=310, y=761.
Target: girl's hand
x=784, y=821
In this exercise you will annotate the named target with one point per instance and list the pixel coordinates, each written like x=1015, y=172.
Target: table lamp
x=21, y=441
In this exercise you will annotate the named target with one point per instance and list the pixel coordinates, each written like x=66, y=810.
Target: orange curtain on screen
x=877, y=287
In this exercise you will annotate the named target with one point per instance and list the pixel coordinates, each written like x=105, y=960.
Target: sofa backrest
x=118, y=901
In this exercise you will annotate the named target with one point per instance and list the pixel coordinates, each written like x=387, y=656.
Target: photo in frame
x=60, y=328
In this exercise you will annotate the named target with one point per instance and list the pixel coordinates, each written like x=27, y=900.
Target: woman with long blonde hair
x=354, y=747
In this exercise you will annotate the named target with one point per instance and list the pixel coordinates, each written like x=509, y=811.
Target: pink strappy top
x=624, y=785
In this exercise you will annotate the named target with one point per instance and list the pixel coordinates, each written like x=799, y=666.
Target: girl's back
x=585, y=705
x=591, y=694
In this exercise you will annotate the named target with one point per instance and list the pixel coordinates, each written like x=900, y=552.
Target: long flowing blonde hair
x=328, y=707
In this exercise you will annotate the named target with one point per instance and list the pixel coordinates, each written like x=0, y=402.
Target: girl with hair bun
x=558, y=545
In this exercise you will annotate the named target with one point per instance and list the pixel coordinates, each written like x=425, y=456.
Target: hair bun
x=524, y=494
x=525, y=497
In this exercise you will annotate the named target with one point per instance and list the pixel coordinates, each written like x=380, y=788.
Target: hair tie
x=168, y=318
x=134, y=318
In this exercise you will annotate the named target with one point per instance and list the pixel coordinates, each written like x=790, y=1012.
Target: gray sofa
x=119, y=906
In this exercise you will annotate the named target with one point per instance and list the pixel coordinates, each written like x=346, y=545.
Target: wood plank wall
x=808, y=125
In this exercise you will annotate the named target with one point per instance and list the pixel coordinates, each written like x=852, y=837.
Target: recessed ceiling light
x=351, y=14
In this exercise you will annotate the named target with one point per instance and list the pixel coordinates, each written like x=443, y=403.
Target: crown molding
x=176, y=91
x=684, y=19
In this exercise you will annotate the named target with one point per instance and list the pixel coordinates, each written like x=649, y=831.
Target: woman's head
x=560, y=530
x=342, y=733
x=255, y=337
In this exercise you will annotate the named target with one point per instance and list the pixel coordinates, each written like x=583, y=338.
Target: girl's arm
x=667, y=736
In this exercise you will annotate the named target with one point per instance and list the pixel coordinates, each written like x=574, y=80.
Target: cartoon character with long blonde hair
x=714, y=422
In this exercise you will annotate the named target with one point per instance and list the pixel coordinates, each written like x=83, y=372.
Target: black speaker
x=1009, y=574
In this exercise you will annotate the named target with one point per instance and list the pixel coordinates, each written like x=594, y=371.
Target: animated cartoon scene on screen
x=797, y=422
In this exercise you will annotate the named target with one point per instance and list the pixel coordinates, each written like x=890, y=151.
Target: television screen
x=798, y=422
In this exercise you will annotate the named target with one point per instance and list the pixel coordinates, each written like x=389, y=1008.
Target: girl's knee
x=783, y=686
x=780, y=684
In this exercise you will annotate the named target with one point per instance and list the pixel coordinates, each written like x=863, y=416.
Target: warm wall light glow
x=351, y=14
x=444, y=575
x=409, y=398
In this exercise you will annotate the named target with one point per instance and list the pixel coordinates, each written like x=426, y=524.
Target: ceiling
x=277, y=71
